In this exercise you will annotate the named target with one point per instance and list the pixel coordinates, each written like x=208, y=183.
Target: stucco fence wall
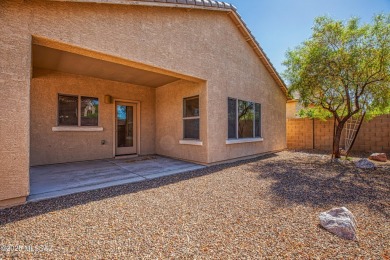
x=374, y=135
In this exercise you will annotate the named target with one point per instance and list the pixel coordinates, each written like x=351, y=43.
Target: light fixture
x=107, y=99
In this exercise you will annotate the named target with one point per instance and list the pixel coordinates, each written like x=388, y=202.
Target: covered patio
x=50, y=181
x=88, y=105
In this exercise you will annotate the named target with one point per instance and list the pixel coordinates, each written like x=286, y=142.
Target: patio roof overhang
x=67, y=62
x=49, y=56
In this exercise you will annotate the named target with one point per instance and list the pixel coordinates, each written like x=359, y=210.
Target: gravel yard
x=259, y=208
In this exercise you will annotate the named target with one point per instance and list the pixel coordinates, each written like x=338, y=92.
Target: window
x=244, y=119
x=67, y=110
x=232, y=118
x=89, y=111
x=191, y=118
x=69, y=107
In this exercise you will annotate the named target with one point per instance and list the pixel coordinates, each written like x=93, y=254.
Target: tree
x=343, y=69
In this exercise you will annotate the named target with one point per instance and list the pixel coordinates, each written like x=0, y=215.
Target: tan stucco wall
x=14, y=106
x=169, y=124
x=242, y=76
x=200, y=43
x=291, y=109
x=48, y=147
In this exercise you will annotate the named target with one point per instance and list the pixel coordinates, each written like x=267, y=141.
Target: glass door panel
x=125, y=129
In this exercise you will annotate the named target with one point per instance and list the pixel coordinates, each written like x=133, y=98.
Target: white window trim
x=244, y=140
x=191, y=142
x=77, y=129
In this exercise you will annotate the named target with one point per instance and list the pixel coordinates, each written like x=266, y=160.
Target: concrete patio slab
x=49, y=181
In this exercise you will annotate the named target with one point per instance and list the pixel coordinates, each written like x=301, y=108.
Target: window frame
x=81, y=112
x=190, y=118
x=79, y=97
x=58, y=109
x=238, y=139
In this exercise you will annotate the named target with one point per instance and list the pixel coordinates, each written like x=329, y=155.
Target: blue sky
x=281, y=24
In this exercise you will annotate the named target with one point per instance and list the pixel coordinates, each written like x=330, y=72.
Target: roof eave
x=239, y=22
x=186, y=4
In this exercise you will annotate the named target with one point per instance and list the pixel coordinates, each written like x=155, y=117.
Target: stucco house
x=93, y=79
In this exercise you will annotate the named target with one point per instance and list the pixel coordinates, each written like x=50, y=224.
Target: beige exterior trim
x=77, y=129
x=244, y=140
x=191, y=142
x=138, y=104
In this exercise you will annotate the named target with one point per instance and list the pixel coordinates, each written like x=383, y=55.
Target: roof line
x=241, y=25
x=208, y=5
x=198, y=4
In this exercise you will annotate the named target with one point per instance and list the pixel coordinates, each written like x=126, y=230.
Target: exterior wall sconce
x=107, y=99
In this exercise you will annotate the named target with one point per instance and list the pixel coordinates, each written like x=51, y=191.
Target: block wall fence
x=303, y=133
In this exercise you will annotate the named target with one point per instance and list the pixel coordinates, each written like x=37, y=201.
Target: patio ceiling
x=67, y=62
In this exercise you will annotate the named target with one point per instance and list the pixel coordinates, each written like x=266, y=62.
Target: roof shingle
x=207, y=3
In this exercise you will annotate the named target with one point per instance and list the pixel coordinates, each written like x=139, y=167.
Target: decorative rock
x=339, y=221
x=380, y=157
x=365, y=164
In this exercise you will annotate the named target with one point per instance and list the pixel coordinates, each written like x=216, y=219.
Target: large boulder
x=380, y=157
x=365, y=164
x=339, y=221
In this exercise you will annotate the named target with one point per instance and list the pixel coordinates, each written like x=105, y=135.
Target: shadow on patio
x=50, y=181
x=29, y=210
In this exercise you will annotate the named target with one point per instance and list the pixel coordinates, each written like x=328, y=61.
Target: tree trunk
x=336, y=140
x=334, y=132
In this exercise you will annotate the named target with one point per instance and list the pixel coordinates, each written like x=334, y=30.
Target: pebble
x=248, y=209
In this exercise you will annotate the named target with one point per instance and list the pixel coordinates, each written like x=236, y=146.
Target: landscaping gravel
x=266, y=207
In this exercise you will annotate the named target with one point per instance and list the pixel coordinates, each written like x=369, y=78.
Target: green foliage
x=96, y=114
x=377, y=111
x=314, y=112
x=343, y=69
